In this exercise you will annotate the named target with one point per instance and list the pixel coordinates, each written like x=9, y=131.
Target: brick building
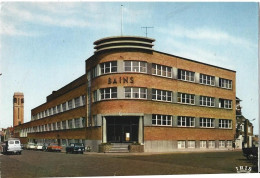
x=132, y=93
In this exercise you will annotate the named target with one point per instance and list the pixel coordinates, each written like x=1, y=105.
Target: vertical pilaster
x=140, y=130
x=104, y=130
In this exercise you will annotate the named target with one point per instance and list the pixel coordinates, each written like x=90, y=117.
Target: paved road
x=50, y=164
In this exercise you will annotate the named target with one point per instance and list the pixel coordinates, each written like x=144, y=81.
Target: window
x=139, y=93
x=186, y=98
x=77, y=123
x=94, y=72
x=108, y=67
x=191, y=144
x=227, y=104
x=161, y=70
x=54, y=126
x=58, y=108
x=46, y=113
x=83, y=99
x=184, y=121
x=207, y=101
x=211, y=144
x=64, y=108
x=181, y=144
x=54, y=110
x=135, y=66
x=186, y=75
x=70, y=124
x=108, y=93
x=94, y=123
x=70, y=104
x=161, y=120
x=203, y=144
x=206, y=122
x=249, y=129
x=83, y=120
x=207, y=79
x=63, y=123
x=161, y=95
x=225, y=123
x=50, y=112
x=58, y=125
x=221, y=144
x=15, y=100
x=95, y=96
x=229, y=143
x=49, y=127
x=77, y=103
x=225, y=83
x=22, y=100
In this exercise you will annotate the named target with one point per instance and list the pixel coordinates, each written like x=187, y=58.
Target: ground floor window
x=229, y=143
x=181, y=144
x=191, y=144
x=211, y=144
x=203, y=144
x=221, y=144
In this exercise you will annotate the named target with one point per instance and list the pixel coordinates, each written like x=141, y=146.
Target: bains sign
x=120, y=80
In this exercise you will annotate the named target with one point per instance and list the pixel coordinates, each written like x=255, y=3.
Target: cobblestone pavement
x=52, y=164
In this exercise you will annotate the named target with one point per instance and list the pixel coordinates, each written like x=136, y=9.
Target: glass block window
x=207, y=101
x=108, y=93
x=186, y=75
x=186, y=98
x=225, y=83
x=184, y=121
x=207, y=79
x=135, y=93
x=161, y=95
x=161, y=120
x=225, y=123
x=207, y=122
x=135, y=66
x=161, y=70
x=181, y=144
x=108, y=67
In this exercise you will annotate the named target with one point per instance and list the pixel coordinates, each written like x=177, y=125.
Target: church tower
x=18, y=108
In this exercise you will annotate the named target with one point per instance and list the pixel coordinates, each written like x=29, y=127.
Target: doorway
x=122, y=129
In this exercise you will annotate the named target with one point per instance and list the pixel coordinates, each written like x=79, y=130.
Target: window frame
x=155, y=70
x=205, y=121
x=142, y=66
x=133, y=93
x=161, y=120
x=185, y=97
x=205, y=100
x=225, y=124
x=108, y=67
x=183, y=120
x=105, y=92
x=158, y=95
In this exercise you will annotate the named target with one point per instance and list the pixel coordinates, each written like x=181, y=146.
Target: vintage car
x=75, y=148
x=31, y=146
x=12, y=146
x=54, y=147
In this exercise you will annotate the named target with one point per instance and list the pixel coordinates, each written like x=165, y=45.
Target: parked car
x=75, y=148
x=31, y=146
x=54, y=147
x=44, y=146
x=39, y=146
x=12, y=146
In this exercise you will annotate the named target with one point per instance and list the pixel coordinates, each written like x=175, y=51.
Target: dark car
x=75, y=148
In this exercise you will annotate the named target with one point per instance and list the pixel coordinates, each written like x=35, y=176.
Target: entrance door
x=122, y=129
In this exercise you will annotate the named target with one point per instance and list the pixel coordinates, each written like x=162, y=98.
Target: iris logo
x=243, y=169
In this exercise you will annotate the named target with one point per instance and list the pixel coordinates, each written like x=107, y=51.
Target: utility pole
x=146, y=30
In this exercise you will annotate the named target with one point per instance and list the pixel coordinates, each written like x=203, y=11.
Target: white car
x=31, y=146
x=39, y=146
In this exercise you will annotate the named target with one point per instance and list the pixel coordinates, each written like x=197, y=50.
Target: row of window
x=62, y=125
x=204, y=144
x=161, y=70
x=160, y=95
x=71, y=104
x=184, y=121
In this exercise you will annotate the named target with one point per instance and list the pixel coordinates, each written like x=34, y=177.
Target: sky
x=43, y=46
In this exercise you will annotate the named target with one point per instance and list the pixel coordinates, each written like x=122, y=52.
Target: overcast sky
x=43, y=46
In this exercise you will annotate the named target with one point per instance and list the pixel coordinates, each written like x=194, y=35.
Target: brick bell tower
x=18, y=109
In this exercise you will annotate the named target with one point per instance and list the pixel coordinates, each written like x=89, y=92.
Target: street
x=53, y=164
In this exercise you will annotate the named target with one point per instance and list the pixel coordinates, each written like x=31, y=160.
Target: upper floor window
x=94, y=72
x=184, y=121
x=207, y=79
x=108, y=93
x=224, y=103
x=59, y=108
x=207, y=101
x=83, y=99
x=186, y=75
x=54, y=110
x=131, y=92
x=70, y=104
x=186, y=98
x=108, y=67
x=95, y=96
x=77, y=102
x=163, y=120
x=135, y=66
x=161, y=95
x=225, y=123
x=161, y=70
x=206, y=122
x=64, y=108
x=225, y=83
